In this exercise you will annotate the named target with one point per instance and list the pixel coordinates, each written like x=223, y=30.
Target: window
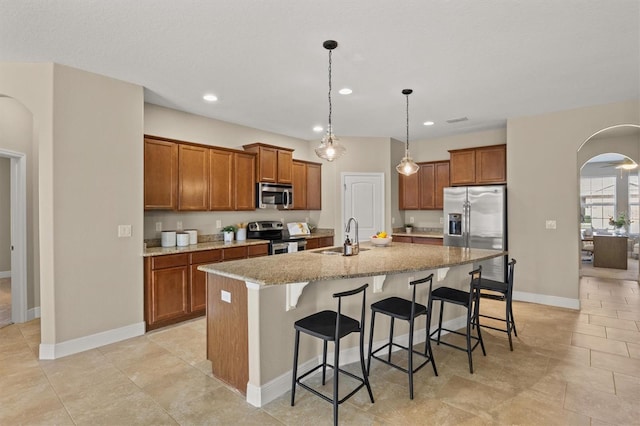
x=598, y=197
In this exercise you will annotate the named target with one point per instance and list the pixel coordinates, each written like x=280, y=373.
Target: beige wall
x=98, y=185
x=5, y=215
x=542, y=175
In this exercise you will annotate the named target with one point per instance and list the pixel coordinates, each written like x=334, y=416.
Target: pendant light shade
x=330, y=147
x=407, y=166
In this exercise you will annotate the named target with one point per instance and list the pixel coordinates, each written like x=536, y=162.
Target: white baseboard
x=5, y=274
x=543, y=299
x=81, y=344
x=259, y=396
x=33, y=313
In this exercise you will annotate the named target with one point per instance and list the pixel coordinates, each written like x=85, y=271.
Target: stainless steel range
x=279, y=240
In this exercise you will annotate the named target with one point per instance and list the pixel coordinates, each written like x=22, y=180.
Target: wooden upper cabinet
x=221, y=185
x=409, y=192
x=299, y=185
x=193, y=177
x=160, y=175
x=424, y=190
x=274, y=164
x=479, y=166
x=244, y=181
x=442, y=181
x=426, y=182
x=491, y=164
x=314, y=186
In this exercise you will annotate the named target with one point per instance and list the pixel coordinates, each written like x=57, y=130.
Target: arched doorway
x=609, y=203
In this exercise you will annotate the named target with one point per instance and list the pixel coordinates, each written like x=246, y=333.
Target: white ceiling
x=485, y=60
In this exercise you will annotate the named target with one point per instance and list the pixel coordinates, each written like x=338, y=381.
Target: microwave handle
x=287, y=199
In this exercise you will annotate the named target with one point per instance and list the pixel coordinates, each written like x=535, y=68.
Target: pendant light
x=330, y=148
x=407, y=167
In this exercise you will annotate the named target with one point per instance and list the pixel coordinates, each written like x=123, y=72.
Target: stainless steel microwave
x=274, y=196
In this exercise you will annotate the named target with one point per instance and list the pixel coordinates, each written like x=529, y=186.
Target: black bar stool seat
x=323, y=325
x=406, y=310
x=502, y=291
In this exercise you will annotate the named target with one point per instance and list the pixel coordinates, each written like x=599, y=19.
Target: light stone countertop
x=159, y=251
x=311, y=265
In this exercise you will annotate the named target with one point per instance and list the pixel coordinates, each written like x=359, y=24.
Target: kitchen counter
x=312, y=265
x=252, y=305
x=159, y=251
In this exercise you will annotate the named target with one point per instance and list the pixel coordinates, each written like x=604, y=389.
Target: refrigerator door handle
x=466, y=228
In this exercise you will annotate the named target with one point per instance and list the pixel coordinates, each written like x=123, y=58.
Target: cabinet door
x=285, y=166
x=267, y=164
x=193, y=178
x=491, y=164
x=160, y=175
x=325, y=242
x=313, y=243
x=221, y=181
x=314, y=186
x=245, y=181
x=463, y=167
x=427, y=240
x=401, y=239
x=169, y=293
x=198, y=289
x=258, y=250
x=442, y=181
x=426, y=181
x=409, y=194
x=299, y=185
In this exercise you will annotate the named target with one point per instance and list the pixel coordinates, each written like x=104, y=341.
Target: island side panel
x=227, y=331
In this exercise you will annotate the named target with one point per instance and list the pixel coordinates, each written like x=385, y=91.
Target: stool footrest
x=451, y=345
x=404, y=370
x=326, y=398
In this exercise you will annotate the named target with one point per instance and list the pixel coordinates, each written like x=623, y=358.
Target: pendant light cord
x=330, y=106
x=407, y=147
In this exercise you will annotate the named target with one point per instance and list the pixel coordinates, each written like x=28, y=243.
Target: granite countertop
x=210, y=245
x=311, y=265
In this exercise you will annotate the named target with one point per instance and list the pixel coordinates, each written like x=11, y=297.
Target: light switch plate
x=225, y=296
x=158, y=226
x=550, y=224
x=411, y=220
x=218, y=224
x=179, y=225
x=124, y=231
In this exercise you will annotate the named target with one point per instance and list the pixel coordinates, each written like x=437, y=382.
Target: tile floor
x=568, y=367
x=5, y=301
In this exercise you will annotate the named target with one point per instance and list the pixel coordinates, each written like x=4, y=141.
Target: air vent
x=457, y=120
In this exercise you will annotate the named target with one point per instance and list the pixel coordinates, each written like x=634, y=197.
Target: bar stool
x=501, y=291
x=331, y=326
x=406, y=310
x=470, y=300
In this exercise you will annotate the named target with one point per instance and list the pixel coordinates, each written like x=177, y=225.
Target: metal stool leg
x=373, y=320
x=324, y=362
x=390, y=339
x=336, y=363
x=295, y=368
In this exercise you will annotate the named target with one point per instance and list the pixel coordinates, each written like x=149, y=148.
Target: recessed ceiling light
x=210, y=98
x=318, y=129
x=345, y=91
x=428, y=123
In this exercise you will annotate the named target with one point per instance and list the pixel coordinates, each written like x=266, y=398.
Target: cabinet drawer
x=206, y=256
x=169, y=261
x=402, y=239
x=325, y=242
x=427, y=240
x=258, y=250
x=234, y=253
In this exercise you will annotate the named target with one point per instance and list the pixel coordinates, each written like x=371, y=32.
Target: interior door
x=363, y=199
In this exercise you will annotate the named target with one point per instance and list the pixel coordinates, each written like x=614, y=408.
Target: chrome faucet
x=356, y=242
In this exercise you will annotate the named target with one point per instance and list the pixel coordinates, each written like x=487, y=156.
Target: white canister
x=182, y=239
x=168, y=239
x=241, y=234
x=193, y=235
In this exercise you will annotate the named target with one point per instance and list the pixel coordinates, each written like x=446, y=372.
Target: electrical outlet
x=411, y=220
x=124, y=231
x=282, y=219
x=550, y=224
x=158, y=226
x=225, y=296
x=441, y=220
x=218, y=224
x=393, y=220
x=179, y=225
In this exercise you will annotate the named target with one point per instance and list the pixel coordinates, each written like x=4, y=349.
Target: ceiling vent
x=457, y=120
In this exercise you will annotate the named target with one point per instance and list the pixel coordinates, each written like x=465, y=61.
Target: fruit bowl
x=377, y=241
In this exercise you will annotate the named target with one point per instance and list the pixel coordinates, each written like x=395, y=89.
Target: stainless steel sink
x=335, y=250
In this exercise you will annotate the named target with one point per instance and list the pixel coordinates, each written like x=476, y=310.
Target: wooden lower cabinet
x=175, y=290
x=314, y=243
x=417, y=240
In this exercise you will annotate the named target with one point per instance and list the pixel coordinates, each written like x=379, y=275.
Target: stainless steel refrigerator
x=476, y=217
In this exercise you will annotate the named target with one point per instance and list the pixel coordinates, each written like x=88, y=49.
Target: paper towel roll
x=168, y=239
x=182, y=239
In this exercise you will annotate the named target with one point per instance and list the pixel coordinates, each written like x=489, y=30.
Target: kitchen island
x=252, y=305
